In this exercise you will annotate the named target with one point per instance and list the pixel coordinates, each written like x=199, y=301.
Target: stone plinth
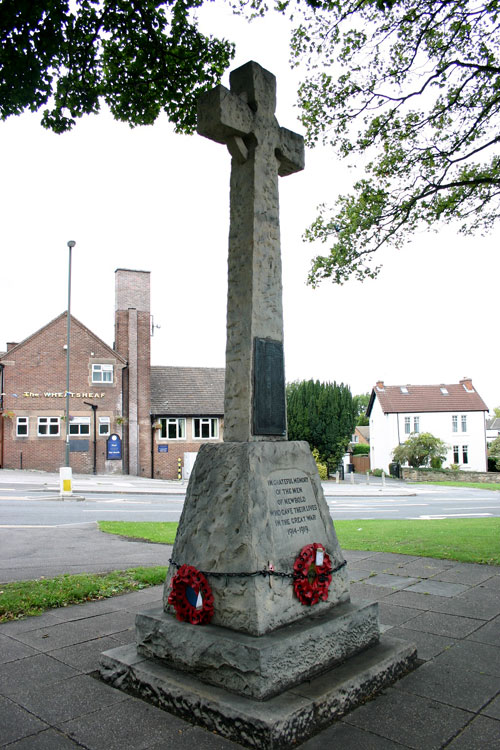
x=280, y=722
x=249, y=505
x=258, y=667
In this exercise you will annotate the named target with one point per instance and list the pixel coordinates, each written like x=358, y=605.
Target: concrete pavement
x=83, y=484
x=50, y=698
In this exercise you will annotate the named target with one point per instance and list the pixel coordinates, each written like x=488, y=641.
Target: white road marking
x=452, y=515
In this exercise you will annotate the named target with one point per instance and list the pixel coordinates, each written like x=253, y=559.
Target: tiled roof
x=396, y=399
x=364, y=430
x=493, y=424
x=187, y=391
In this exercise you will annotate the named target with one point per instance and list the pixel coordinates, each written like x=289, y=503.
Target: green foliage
x=140, y=58
x=496, y=411
x=409, y=89
x=27, y=598
x=360, y=449
x=360, y=404
x=436, y=462
x=162, y=532
x=465, y=539
x=494, y=452
x=419, y=449
x=323, y=415
x=322, y=468
x=377, y=472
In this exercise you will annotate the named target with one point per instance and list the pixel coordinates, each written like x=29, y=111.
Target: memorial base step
x=264, y=666
x=280, y=722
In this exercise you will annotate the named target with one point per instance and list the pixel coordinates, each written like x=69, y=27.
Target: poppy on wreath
x=312, y=574
x=191, y=596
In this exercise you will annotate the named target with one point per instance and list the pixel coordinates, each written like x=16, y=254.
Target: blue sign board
x=114, y=448
x=163, y=449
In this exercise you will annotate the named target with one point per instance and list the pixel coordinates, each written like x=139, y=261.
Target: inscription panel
x=293, y=508
x=269, y=406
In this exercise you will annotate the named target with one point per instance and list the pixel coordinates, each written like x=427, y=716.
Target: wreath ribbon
x=311, y=577
x=188, y=577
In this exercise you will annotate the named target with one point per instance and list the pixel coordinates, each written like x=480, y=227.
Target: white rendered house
x=454, y=413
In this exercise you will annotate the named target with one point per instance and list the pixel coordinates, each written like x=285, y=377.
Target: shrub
x=377, y=472
x=360, y=449
x=322, y=469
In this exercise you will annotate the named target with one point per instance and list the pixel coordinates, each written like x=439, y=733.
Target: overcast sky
x=148, y=199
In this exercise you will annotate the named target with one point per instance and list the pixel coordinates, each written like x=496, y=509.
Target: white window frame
x=465, y=454
x=454, y=423
x=25, y=422
x=48, y=421
x=79, y=426
x=463, y=422
x=456, y=454
x=102, y=370
x=416, y=424
x=407, y=425
x=106, y=423
x=177, y=423
x=213, y=428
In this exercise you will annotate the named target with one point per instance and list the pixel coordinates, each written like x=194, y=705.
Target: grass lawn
x=474, y=540
x=25, y=598
x=465, y=485
x=463, y=539
x=164, y=533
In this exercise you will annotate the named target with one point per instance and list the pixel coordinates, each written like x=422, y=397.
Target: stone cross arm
x=244, y=116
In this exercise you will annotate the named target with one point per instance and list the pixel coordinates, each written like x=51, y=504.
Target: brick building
x=152, y=435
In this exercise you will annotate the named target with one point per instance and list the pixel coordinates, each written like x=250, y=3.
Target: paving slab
x=391, y=615
x=129, y=724
x=438, y=705
x=12, y=650
x=447, y=625
x=425, y=568
x=348, y=737
x=438, y=588
x=428, y=645
x=413, y=721
x=48, y=739
x=467, y=573
x=455, y=687
x=469, y=655
x=40, y=670
x=77, y=631
x=492, y=709
x=67, y=699
x=489, y=633
x=16, y=722
x=393, y=582
x=481, y=734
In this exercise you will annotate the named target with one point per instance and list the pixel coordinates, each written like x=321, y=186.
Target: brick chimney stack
x=379, y=385
x=467, y=384
x=132, y=341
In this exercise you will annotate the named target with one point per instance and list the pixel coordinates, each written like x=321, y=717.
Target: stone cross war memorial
x=257, y=638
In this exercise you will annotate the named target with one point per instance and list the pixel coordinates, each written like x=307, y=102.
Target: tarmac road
x=30, y=553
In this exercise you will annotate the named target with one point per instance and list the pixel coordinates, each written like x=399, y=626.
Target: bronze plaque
x=269, y=406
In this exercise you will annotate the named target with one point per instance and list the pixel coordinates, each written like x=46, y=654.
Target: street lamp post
x=71, y=245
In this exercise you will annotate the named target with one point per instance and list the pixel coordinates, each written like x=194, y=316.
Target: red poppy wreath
x=191, y=596
x=312, y=574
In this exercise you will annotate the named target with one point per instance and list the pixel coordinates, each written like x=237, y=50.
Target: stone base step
x=259, y=667
x=288, y=718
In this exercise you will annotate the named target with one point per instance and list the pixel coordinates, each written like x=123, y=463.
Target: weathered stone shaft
x=244, y=120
